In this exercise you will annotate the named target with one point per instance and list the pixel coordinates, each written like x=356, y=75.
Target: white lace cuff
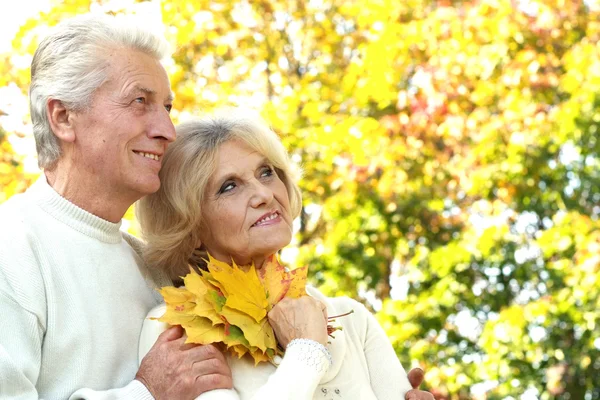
x=311, y=353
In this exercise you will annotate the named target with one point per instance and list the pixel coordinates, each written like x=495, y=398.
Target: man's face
x=122, y=136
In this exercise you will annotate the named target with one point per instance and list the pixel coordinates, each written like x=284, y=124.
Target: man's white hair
x=70, y=64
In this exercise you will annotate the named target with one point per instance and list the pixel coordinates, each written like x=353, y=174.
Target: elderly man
x=73, y=288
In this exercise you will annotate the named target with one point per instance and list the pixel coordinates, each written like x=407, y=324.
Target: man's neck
x=90, y=194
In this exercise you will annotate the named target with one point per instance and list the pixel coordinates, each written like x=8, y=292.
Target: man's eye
x=169, y=107
x=141, y=100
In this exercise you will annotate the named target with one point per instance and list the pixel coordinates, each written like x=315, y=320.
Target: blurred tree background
x=451, y=160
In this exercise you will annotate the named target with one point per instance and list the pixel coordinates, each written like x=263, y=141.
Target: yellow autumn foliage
x=228, y=304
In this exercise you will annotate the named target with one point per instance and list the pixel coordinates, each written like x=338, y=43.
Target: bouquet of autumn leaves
x=229, y=305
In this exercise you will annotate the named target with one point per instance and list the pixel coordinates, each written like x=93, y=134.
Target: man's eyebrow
x=152, y=92
x=138, y=89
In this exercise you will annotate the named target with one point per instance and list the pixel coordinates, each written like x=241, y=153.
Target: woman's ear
x=61, y=120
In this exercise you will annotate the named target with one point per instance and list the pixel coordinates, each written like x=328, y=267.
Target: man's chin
x=148, y=186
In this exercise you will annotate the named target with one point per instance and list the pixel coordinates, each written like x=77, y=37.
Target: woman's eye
x=266, y=171
x=227, y=186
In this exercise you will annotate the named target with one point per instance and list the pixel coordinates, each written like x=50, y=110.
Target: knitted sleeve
x=388, y=378
x=135, y=390
x=20, y=348
x=22, y=305
x=299, y=373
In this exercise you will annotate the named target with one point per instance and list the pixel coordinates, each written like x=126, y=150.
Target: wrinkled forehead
x=133, y=70
x=235, y=154
x=236, y=157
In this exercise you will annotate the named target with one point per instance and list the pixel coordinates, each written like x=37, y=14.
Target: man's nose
x=161, y=126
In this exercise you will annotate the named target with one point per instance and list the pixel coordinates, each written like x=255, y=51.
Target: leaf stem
x=341, y=315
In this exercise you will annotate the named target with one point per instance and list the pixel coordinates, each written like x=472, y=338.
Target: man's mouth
x=152, y=156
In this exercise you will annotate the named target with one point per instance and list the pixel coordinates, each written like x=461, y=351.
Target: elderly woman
x=228, y=189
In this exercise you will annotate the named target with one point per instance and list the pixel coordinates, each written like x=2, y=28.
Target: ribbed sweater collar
x=73, y=216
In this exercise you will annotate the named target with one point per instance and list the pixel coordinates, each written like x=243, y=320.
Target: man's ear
x=61, y=120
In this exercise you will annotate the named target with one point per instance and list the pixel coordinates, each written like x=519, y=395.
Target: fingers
x=170, y=334
x=304, y=318
x=213, y=381
x=323, y=310
x=213, y=373
x=209, y=357
x=418, y=395
x=211, y=369
x=415, y=377
x=186, y=346
x=175, y=370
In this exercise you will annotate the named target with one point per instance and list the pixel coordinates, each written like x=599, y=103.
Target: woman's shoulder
x=338, y=300
x=341, y=305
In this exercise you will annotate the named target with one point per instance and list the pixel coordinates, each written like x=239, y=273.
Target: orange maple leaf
x=275, y=280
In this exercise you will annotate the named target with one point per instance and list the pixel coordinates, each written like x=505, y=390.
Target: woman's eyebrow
x=218, y=178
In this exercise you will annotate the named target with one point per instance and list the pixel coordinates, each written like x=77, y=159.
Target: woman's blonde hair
x=171, y=218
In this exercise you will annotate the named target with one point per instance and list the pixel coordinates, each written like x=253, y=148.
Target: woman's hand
x=303, y=318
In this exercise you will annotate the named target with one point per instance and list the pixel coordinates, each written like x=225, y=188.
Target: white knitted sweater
x=73, y=296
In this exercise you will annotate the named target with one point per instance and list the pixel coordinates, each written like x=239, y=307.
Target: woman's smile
x=268, y=219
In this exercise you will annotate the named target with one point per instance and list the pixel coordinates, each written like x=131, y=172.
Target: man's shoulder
x=20, y=275
x=13, y=203
x=16, y=216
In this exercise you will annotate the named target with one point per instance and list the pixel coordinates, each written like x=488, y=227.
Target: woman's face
x=246, y=207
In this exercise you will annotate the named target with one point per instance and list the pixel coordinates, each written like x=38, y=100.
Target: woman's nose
x=261, y=195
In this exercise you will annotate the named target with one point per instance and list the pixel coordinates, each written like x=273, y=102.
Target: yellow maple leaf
x=215, y=283
x=246, y=292
x=201, y=330
x=205, y=308
x=298, y=282
x=176, y=295
x=195, y=283
x=198, y=288
x=258, y=334
x=180, y=305
x=235, y=336
x=259, y=356
x=238, y=349
x=228, y=304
